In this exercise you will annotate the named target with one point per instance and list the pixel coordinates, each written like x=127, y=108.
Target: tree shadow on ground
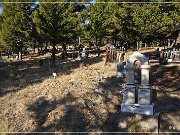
x=166, y=105
x=166, y=81
x=166, y=77
x=72, y=119
x=169, y=110
x=117, y=121
x=18, y=75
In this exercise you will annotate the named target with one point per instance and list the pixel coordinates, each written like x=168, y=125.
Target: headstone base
x=120, y=74
x=170, y=60
x=129, y=94
x=144, y=95
x=137, y=108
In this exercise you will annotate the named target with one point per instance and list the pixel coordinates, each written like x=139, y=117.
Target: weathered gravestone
x=177, y=55
x=144, y=103
x=121, y=63
x=83, y=53
x=163, y=59
x=120, y=69
x=170, y=55
x=118, y=56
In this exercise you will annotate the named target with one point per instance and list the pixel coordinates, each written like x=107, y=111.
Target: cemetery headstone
x=118, y=56
x=169, y=55
x=121, y=64
x=120, y=69
x=177, y=55
x=83, y=53
x=137, y=72
x=16, y=56
x=114, y=55
x=163, y=59
x=107, y=55
x=144, y=103
x=79, y=55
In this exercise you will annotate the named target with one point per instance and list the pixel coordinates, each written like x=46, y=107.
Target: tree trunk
x=38, y=48
x=75, y=46
x=89, y=45
x=8, y=55
x=46, y=48
x=175, y=42
x=34, y=48
x=64, y=48
x=114, y=42
x=99, y=51
x=20, y=53
x=96, y=41
x=64, y=51
x=169, y=42
x=137, y=45
x=53, y=56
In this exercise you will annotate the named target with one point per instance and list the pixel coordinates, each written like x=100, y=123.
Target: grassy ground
x=84, y=97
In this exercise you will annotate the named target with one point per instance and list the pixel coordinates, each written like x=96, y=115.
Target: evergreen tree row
x=33, y=24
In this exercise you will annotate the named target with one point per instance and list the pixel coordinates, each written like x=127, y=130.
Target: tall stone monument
x=143, y=97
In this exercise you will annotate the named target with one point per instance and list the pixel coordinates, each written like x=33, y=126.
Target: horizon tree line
x=33, y=25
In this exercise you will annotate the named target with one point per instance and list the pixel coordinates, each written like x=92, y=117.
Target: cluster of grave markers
x=169, y=55
x=114, y=55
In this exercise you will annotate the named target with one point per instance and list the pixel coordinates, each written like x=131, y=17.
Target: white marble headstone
x=144, y=105
x=144, y=97
x=129, y=96
x=83, y=53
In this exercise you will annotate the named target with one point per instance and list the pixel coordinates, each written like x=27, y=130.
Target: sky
x=1, y=10
x=36, y=2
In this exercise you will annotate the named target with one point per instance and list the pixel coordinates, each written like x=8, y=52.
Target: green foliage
x=144, y=22
x=16, y=24
x=100, y=21
x=155, y=21
x=59, y=23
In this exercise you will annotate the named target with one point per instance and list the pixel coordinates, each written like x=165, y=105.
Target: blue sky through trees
x=1, y=9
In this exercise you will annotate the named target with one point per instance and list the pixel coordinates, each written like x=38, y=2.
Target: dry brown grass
x=84, y=96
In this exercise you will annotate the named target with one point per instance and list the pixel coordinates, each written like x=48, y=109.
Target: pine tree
x=58, y=23
x=16, y=25
x=99, y=25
